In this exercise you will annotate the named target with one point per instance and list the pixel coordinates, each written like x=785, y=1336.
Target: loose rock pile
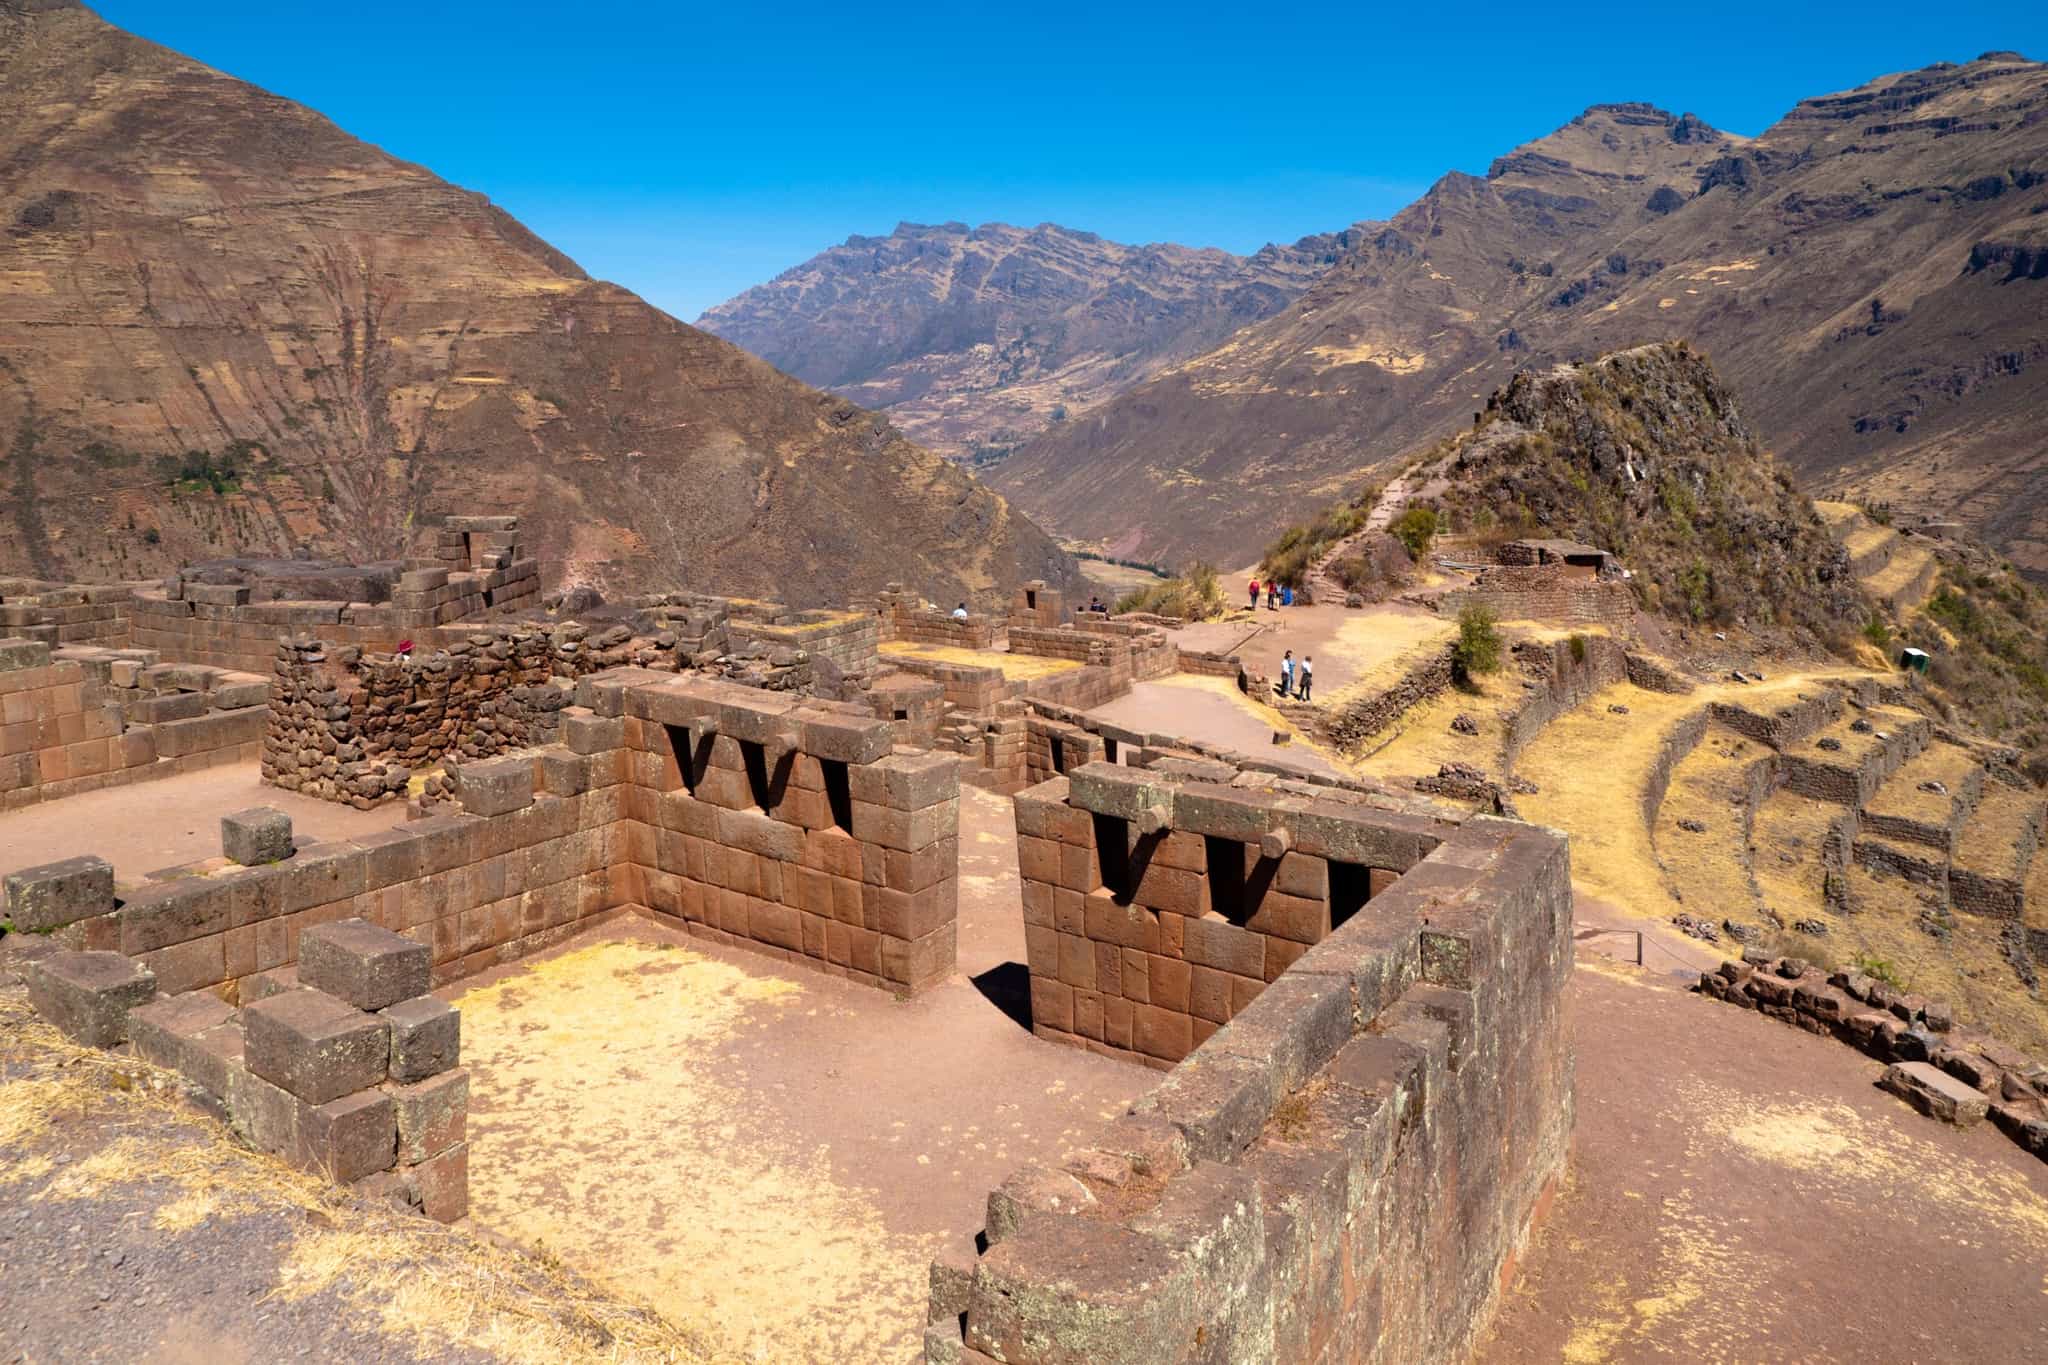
x=1897, y=1027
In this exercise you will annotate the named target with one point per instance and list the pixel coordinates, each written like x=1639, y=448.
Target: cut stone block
x=263, y=1115
x=432, y=1115
x=368, y=967
x=349, y=1138
x=1935, y=1093
x=498, y=787
x=175, y=1032
x=88, y=995
x=315, y=1046
x=261, y=834
x=426, y=1038
x=443, y=1183
x=50, y=896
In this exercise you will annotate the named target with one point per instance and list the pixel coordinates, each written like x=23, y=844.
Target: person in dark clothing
x=1307, y=676
x=1286, y=673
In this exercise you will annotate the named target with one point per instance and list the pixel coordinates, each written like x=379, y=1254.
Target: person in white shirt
x=1307, y=675
x=960, y=612
x=1287, y=673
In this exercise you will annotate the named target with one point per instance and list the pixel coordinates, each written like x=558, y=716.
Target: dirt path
x=1741, y=1191
x=172, y=820
x=1213, y=711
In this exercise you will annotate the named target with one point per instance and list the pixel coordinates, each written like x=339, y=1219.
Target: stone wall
x=1152, y=913
x=353, y=727
x=1343, y=1172
x=1034, y=604
x=1358, y=721
x=1901, y=1028
x=64, y=613
x=1784, y=725
x=1853, y=781
x=902, y=616
x=788, y=825
x=1549, y=593
x=1566, y=673
x=86, y=717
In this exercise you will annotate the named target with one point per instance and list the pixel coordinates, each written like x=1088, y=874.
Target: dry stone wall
x=65, y=613
x=85, y=717
x=1156, y=908
x=1343, y=1172
x=353, y=727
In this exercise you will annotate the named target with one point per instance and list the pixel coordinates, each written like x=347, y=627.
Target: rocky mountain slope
x=226, y=326
x=972, y=339
x=1871, y=272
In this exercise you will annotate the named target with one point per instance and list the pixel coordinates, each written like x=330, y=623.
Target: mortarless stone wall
x=1345, y=1171
x=86, y=717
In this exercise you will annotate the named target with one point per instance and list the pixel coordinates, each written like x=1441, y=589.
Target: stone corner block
x=314, y=1046
x=1935, y=1093
x=52, y=895
x=426, y=1038
x=87, y=996
x=497, y=787
x=363, y=965
x=261, y=834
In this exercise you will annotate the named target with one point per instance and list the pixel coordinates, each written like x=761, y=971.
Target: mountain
x=1871, y=272
x=972, y=339
x=226, y=326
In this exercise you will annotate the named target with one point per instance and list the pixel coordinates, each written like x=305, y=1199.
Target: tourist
x=960, y=612
x=1286, y=673
x=1286, y=595
x=1095, y=604
x=1272, y=595
x=1255, y=594
x=1307, y=673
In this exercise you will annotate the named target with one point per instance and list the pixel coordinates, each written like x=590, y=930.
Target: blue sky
x=690, y=151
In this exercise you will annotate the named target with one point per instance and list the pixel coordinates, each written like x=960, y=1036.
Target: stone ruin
x=1324, y=1171
x=1352, y=993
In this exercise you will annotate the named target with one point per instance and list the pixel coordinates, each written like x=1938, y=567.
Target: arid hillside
x=227, y=326
x=1869, y=273
x=974, y=339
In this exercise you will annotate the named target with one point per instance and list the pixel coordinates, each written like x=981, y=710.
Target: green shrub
x=1876, y=631
x=1578, y=644
x=1415, y=529
x=1479, y=645
x=1880, y=968
x=1195, y=594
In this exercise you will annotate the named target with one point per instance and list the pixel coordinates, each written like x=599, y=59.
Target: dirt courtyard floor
x=150, y=825
x=1740, y=1190
x=1212, y=711
x=768, y=1155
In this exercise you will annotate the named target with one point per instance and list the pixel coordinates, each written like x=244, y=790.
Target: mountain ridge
x=972, y=338
x=1607, y=233
x=232, y=328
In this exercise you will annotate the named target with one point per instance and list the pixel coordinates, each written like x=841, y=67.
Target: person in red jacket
x=1254, y=589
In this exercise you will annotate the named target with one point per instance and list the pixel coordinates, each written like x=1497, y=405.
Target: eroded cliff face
x=1867, y=273
x=974, y=339
x=228, y=327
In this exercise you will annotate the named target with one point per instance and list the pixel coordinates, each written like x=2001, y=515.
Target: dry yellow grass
x=1376, y=648
x=431, y=1288
x=1421, y=740
x=1901, y=795
x=636, y=1154
x=1708, y=873
x=1017, y=667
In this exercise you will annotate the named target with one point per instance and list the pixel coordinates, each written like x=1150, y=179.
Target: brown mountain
x=1872, y=273
x=972, y=339
x=227, y=326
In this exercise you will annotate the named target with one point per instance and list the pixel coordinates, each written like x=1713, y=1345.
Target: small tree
x=1478, y=647
x=1415, y=528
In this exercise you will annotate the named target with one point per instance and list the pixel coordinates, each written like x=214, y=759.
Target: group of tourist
x=1297, y=680
x=1278, y=595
